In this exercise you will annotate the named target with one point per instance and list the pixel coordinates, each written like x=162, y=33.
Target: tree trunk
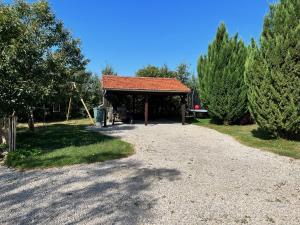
x=31, y=120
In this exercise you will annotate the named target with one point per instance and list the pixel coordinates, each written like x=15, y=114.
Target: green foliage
x=56, y=145
x=154, y=71
x=273, y=71
x=181, y=73
x=193, y=83
x=108, y=70
x=20, y=155
x=221, y=77
x=202, y=70
x=89, y=88
x=38, y=55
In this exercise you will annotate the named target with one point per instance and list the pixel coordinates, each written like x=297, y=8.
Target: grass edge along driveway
x=253, y=136
x=64, y=143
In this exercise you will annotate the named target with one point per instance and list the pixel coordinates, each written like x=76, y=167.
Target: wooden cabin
x=145, y=88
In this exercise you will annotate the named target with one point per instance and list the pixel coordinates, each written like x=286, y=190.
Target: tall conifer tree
x=221, y=76
x=273, y=71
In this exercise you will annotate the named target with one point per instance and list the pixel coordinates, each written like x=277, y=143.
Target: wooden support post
x=70, y=100
x=133, y=110
x=105, y=118
x=12, y=130
x=105, y=112
x=183, y=109
x=133, y=104
x=87, y=111
x=69, y=108
x=146, y=110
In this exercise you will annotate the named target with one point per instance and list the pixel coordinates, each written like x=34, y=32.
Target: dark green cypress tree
x=221, y=76
x=202, y=69
x=273, y=71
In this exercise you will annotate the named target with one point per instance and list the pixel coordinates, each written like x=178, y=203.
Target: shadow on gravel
x=116, y=127
x=92, y=194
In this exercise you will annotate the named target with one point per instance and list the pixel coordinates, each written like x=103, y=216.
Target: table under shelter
x=145, y=88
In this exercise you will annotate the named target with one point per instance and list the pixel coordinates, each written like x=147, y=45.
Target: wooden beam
x=69, y=108
x=146, y=110
x=105, y=111
x=70, y=102
x=81, y=99
x=87, y=111
x=12, y=121
x=133, y=104
x=133, y=109
x=183, y=102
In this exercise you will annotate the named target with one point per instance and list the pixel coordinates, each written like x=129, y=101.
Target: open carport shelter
x=144, y=87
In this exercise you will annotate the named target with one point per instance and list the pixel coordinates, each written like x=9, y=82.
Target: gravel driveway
x=179, y=175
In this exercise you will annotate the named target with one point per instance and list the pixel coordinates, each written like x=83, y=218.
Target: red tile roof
x=150, y=84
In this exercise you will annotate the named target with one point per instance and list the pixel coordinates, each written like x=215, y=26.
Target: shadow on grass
x=265, y=135
x=115, y=127
x=216, y=121
x=56, y=136
x=205, y=121
x=262, y=134
x=58, y=145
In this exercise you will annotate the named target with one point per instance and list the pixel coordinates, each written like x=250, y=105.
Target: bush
x=14, y=157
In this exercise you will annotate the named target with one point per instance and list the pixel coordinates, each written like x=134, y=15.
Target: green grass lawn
x=253, y=136
x=64, y=143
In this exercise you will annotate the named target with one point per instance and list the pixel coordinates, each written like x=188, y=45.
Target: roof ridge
x=118, y=76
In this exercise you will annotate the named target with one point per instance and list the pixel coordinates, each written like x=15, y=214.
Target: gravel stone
x=178, y=175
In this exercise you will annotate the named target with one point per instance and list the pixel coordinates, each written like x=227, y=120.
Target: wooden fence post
x=12, y=130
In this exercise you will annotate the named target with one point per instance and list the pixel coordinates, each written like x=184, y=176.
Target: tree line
x=40, y=59
x=259, y=82
x=262, y=78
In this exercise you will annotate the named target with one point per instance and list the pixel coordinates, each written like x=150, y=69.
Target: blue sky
x=134, y=33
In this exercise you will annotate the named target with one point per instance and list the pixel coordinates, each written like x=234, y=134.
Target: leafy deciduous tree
x=37, y=54
x=154, y=71
x=181, y=73
x=108, y=70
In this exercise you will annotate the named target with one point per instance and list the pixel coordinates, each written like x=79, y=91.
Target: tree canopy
x=108, y=70
x=181, y=73
x=38, y=55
